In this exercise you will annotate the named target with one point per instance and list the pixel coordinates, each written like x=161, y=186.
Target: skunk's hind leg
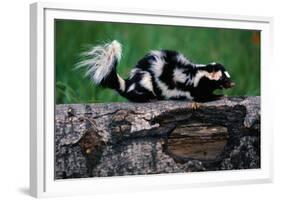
x=139, y=94
x=139, y=87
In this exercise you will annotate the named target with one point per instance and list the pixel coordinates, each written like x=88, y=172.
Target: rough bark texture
x=115, y=139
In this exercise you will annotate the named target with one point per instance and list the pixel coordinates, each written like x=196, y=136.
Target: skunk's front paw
x=195, y=105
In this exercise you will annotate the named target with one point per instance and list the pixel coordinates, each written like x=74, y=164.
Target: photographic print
x=140, y=99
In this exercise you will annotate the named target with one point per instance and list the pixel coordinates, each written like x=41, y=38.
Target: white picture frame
x=42, y=182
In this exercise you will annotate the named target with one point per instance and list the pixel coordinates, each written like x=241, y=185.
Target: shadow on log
x=98, y=140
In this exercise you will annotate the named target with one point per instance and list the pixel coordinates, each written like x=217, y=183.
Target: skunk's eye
x=222, y=78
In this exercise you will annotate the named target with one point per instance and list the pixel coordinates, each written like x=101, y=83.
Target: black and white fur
x=159, y=75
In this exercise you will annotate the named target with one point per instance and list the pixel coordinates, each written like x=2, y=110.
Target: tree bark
x=115, y=139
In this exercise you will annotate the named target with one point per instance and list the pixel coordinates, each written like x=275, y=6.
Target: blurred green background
x=238, y=50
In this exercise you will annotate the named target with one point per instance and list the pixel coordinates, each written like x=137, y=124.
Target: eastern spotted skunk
x=161, y=74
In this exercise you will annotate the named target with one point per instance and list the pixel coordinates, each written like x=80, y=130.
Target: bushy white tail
x=100, y=63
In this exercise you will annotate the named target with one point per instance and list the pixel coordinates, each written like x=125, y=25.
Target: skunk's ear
x=211, y=67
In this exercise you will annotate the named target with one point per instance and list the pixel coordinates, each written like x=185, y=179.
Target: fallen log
x=115, y=139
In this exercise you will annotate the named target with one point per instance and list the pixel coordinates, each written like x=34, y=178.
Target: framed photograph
x=134, y=100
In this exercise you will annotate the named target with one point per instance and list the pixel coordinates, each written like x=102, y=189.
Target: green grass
x=238, y=50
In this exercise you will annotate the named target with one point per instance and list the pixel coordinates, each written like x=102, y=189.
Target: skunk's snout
x=228, y=84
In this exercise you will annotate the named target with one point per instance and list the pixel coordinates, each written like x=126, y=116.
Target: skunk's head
x=209, y=78
x=218, y=76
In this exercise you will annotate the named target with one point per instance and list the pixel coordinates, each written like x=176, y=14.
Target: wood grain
x=115, y=139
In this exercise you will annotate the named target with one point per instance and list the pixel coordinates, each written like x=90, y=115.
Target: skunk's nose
x=232, y=84
x=229, y=84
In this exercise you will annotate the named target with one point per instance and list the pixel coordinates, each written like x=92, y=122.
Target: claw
x=195, y=105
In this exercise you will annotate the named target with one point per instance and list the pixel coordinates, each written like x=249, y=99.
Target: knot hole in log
x=197, y=140
x=202, y=134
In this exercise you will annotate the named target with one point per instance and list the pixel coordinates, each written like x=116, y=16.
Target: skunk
x=159, y=75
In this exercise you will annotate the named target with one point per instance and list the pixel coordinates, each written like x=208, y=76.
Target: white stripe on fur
x=200, y=65
x=212, y=76
x=122, y=83
x=157, y=68
x=198, y=76
x=183, y=60
x=132, y=87
x=227, y=74
x=146, y=81
x=179, y=76
x=158, y=64
x=167, y=93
